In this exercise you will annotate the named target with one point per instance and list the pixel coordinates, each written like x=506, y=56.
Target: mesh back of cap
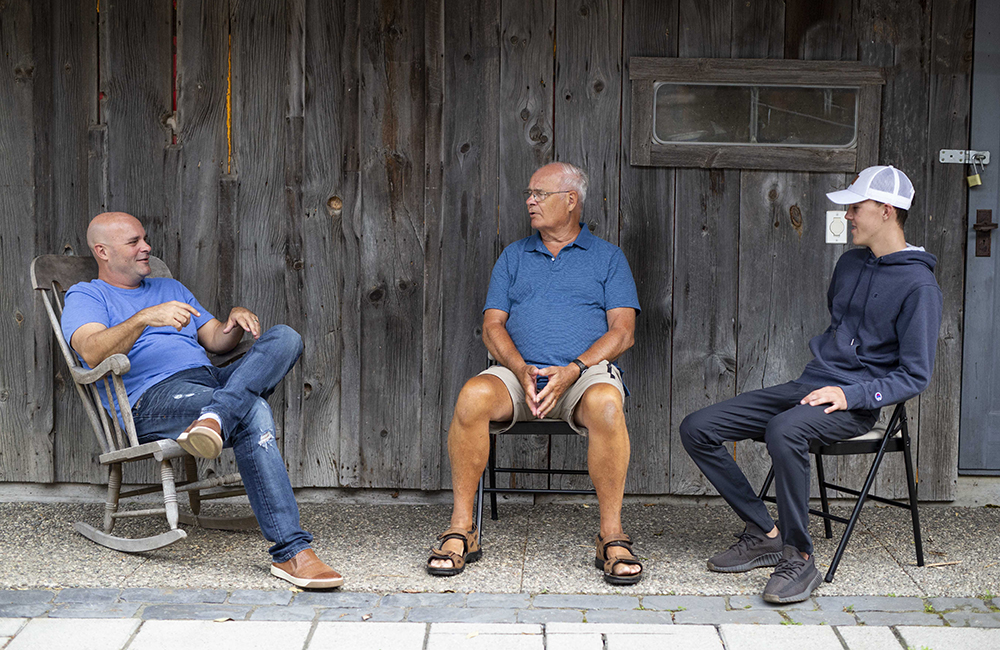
x=886, y=179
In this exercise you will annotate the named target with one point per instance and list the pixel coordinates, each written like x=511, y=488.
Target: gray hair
x=575, y=178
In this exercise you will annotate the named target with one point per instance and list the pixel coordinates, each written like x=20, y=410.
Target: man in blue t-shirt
x=171, y=384
x=561, y=308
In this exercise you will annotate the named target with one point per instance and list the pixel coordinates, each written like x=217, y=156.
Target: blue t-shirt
x=558, y=306
x=159, y=352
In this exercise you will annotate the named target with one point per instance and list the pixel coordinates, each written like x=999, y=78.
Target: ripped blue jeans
x=238, y=394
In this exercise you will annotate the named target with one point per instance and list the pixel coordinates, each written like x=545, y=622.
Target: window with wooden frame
x=818, y=116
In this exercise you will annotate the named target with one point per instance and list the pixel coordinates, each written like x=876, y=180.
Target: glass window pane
x=806, y=116
x=701, y=113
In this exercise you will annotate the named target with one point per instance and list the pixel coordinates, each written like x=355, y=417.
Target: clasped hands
x=560, y=378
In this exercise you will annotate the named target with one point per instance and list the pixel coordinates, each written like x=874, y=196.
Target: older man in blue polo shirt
x=561, y=308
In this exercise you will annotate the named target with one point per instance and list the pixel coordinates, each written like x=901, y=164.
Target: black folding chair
x=893, y=437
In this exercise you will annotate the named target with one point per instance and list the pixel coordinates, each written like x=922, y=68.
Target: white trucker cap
x=882, y=183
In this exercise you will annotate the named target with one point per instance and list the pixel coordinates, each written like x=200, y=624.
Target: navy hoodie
x=885, y=314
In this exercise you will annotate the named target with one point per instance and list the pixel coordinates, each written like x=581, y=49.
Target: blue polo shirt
x=557, y=306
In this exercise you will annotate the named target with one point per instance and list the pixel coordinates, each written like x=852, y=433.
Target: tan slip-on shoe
x=203, y=438
x=307, y=571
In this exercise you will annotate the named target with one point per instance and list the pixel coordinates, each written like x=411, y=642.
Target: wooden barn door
x=979, y=433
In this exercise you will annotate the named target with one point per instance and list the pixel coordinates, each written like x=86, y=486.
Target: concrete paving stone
x=194, y=612
x=789, y=637
x=516, y=601
x=574, y=642
x=681, y=603
x=949, y=638
x=963, y=618
x=4, y=640
x=260, y=597
x=368, y=636
x=283, y=613
x=630, y=616
x=868, y=637
x=602, y=628
x=336, y=599
x=474, y=641
x=461, y=615
x=423, y=600
x=967, y=604
x=692, y=637
x=25, y=596
x=87, y=595
x=374, y=614
x=549, y=616
x=78, y=634
x=484, y=628
x=10, y=626
x=819, y=617
x=95, y=610
x=179, y=596
x=869, y=603
x=756, y=601
x=899, y=618
x=26, y=611
x=584, y=601
x=741, y=616
x=230, y=635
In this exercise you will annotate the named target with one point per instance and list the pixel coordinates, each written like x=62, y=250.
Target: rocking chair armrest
x=117, y=364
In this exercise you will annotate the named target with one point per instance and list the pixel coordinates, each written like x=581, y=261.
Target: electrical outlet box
x=836, y=227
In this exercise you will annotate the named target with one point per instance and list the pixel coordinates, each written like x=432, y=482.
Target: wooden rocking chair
x=52, y=275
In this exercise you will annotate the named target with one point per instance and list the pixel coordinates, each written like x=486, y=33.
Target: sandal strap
x=470, y=538
x=612, y=562
x=623, y=541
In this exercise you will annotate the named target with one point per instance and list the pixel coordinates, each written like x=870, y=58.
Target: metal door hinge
x=964, y=156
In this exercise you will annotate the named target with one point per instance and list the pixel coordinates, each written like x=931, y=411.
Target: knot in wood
x=298, y=265
x=307, y=390
x=334, y=204
x=465, y=148
x=525, y=114
x=375, y=295
x=19, y=317
x=772, y=195
x=384, y=433
x=598, y=86
x=584, y=10
x=796, y=216
x=4, y=395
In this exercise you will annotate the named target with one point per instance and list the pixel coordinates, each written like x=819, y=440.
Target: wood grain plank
x=647, y=239
x=392, y=260
x=706, y=236
x=588, y=90
x=526, y=127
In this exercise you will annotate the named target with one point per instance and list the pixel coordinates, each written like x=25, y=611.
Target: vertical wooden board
x=944, y=194
x=526, y=143
x=25, y=418
x=386, y=451
x=706, y=236
x=758, y=29
x=327, y=373
x=136, y=108
x=588, y=88
x=466, y=233
x=646, y=237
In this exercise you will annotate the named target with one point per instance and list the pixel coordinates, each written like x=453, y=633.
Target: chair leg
x=857, y=510
x=821, y=477
x=767, y=483
x=911, y=486
x=491, y=466
x=169, y=492
x=479, y=508
x=111, y=502
x=194, y=496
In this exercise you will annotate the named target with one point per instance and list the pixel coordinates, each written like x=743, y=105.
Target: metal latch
x=964, y=156
x=984, y=226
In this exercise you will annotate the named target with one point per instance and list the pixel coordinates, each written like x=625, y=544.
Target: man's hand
x=560, y=378
x=528, y=376
x=832, y=395
x=244, y=318
x=174, y=314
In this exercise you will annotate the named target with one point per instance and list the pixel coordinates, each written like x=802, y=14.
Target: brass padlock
x=974, y=179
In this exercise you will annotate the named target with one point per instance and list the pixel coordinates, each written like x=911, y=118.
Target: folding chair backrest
x=51, y=276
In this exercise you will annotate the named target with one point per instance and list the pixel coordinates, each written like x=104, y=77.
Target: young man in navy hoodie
x=885, y=308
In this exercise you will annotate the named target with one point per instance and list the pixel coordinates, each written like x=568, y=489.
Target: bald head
x=117, y=241
x=104, y=228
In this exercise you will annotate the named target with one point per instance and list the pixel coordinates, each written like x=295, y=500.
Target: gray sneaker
x=793, y=579
x=753, y=549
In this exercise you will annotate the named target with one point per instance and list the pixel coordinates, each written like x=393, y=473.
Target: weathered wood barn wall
x=353, y=168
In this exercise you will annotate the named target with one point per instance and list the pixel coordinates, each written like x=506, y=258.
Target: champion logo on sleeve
x=878, y=397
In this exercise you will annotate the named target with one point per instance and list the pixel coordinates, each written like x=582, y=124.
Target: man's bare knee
x=480, y=400
x=601, y=408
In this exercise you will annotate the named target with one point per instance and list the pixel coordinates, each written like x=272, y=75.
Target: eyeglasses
x=540, y=195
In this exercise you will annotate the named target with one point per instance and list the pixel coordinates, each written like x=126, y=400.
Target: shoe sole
x=796, y=598
x=201, y=442
x=768, y=559
x=306, y=583
x=448, y=571
x=618, y=580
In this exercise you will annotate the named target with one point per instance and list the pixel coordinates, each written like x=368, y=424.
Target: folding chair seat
x=51, y=276
x=894, y=436
x=545, y=427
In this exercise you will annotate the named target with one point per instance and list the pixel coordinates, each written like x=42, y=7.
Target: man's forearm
x=501, y=346
x=113, y=340
x=220, y=342
x=609, y=347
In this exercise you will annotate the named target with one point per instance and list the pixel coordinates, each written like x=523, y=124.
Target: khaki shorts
x=603, y=372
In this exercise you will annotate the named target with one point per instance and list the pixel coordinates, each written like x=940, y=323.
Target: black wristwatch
x=581, y=365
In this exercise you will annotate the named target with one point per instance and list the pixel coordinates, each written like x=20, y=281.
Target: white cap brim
x=845, y=197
